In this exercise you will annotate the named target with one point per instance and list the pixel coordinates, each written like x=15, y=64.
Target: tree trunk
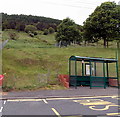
x=69, y=42
x=105, y=43
x=118, y=44
x=85, y=43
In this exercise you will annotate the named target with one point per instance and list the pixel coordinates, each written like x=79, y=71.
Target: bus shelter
x=93, y=72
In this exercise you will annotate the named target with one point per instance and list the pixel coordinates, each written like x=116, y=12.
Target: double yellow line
x=113, y=114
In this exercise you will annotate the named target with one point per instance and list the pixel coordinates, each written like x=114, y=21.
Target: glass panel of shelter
x=112, y=70
x=83, y=68
x=72, y=67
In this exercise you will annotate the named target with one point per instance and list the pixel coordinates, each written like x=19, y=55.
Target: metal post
x=82, y=68
x=90, y=75
x=69, y=67
x=104, y=75
x=117, y=73
x=69, y=71
x=75, y=74
x=107, y=70
x=95, y=68
x=117, y=68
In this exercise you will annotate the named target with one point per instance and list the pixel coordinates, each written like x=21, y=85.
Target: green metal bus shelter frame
x=76, y=80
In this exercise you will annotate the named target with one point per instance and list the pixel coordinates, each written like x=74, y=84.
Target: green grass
x=28, y=60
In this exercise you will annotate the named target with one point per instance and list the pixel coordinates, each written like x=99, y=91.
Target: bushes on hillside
x=30, y=28
x=13, y=36
x=46, y=32
x=51, y=30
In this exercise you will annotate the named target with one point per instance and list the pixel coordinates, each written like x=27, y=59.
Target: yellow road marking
x=97, y=103
x=56, y=112
x=106, y=107
x=93, y=102
x=113, y=113
x=116, y=97
x=81, y=97
x=88, y=100
x=20, y=100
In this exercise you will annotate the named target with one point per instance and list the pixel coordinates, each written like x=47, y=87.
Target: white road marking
x=56, y=112
x=4, y=102
x=45, y=101
x=1, y=109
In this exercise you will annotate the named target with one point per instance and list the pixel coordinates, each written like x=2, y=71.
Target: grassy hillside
x=32, y=63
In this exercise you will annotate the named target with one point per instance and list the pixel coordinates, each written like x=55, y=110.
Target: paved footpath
x=71, y=92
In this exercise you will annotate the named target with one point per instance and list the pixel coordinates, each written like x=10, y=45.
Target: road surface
x=97, y=105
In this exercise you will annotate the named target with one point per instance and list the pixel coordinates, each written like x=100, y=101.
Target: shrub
x=51, y=30
x=30, y=28
x=46, y=32
x=31, y=34
x=13, y=36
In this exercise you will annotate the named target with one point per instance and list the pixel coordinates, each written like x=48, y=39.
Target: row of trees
x=19, y=22
x=102, y=24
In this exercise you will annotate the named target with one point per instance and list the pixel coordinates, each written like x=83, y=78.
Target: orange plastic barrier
x=64, y=79
x=113, y=82
x=1, y=79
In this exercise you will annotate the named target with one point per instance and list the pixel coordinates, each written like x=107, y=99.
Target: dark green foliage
x=46, y=32
x=18, y=22
x=30, y=28
x=41, y=26
x=20, y=27
x=13, y=36
x=68, y=32
x=51, y=30
x=103, y=23
x=35, y=33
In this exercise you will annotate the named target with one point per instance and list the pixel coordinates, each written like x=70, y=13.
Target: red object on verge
x=113, y=82
x=64, y=79
x=1, y=79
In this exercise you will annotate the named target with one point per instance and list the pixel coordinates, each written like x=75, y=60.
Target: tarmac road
x=89, y=105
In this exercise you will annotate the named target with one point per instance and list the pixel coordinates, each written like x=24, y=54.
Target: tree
x=68, y=32
x=51, y=30
x=102, y=24
x=20, y=27
x=46, y=32
x=30, y=28
x=15, y=21
x=118, y=25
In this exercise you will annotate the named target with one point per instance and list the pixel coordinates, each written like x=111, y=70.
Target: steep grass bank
x=33, y=63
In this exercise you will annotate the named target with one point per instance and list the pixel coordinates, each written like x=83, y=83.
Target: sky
x=77, y=10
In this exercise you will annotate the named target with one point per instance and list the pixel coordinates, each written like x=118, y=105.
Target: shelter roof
x=94, y=59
